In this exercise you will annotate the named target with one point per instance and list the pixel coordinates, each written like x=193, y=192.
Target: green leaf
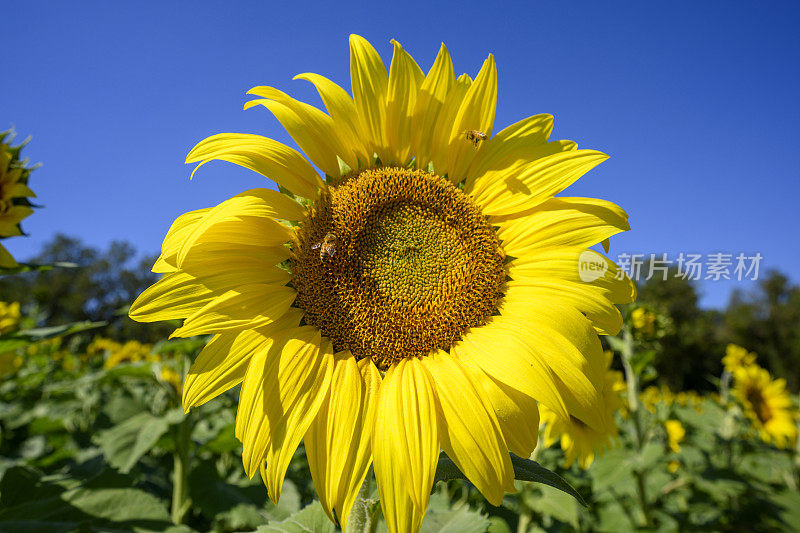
x=640, y=360
x=442, y=518
x=32, y=267
x=124, y=444
x=527, y=470
x=524, y=470
x=19, y=339
x=312, y=519
x=555, y=503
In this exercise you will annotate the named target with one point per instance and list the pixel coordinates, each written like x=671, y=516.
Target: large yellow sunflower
x=14, y=194
x=425, y=295
x=767, y=404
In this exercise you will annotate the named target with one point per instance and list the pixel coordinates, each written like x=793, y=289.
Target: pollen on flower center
x=414, y=264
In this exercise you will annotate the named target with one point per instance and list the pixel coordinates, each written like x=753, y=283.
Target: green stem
x=524, y=522
x=180, y=472
x=365, y=512
x=632, y=380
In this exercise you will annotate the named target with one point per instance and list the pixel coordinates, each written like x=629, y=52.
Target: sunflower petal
x=517, y=414
x=297, y=410
x=440, y=137
x=338, y=441
x=468, y=428
x=516, y=365
x=527, y=183
x=247, y=307
x=244, y=220
x=430, y=100
x=312, y=130
x=343, y=111
x=564, y=264
x=405, y=443
x=476, y=113
x=577, y=222
x=405, y=77
x=222, y=363
x=176, y=295
x=282, y=392
x=178, y=232
x=283, y=165
x=370, y=84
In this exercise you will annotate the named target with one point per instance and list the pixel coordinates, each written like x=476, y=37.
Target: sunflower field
x=94, y=439
x=414, y=332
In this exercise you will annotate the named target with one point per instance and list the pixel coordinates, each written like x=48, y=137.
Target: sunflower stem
x=632, y=379
x=180, y=472
x=365, y=512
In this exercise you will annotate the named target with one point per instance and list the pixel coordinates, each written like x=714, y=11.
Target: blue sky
x=696, y=102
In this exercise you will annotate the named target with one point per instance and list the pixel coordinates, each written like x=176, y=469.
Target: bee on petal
x=475, y=137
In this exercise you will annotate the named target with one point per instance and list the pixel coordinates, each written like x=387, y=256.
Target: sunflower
x=767, y=404
x=675, y=434
x=424, y=296
x=579, y=440
x=14, y=194
x=737, y=357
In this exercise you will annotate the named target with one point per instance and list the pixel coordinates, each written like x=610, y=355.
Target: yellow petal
x=405, y=77
x=430, y=100
x=476, y=113
x=247, y=307
x=283, y=165
x=561, y=338
x=297, y=411
x=526, y=184
x=312, y=130
x=565, y=264
x=176, y=295
x=578, y=222
x=282, y=392
x=405, y=444
x=521, y=140
x=343, y=112
x=370, y=84
x=516, y=365
x=244, y=220
x=223, y=361
x=468, y=428
x=440, y=136
x=178, y=232
x=517, y=414
x=338, y=441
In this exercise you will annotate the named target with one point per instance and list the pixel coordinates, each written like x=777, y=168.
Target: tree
x=100, y=289
x=767, y=321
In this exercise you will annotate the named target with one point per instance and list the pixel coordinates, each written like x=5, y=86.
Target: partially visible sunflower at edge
x=425, y=295
x=14, y=193
x=767, y=404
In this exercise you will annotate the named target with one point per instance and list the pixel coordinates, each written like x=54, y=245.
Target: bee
x=327, y=247
x=475, y=137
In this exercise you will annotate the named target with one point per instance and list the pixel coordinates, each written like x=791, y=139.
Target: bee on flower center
x=327, y=247
x=475, y=137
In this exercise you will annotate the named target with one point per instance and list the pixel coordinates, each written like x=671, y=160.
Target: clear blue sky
x=696, y=102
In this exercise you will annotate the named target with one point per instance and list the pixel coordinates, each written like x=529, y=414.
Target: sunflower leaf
x=524, y=470
x=527, y=470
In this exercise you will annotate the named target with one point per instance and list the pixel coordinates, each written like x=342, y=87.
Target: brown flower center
x=393, y=263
